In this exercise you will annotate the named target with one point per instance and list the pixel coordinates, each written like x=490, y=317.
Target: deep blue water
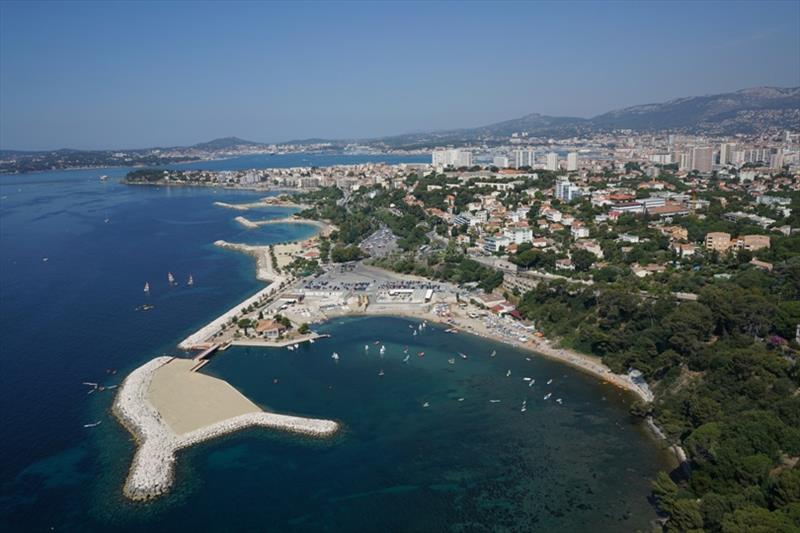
x=471, y=465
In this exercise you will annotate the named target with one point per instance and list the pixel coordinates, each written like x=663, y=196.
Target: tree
x=303, y=329
x=583, y=260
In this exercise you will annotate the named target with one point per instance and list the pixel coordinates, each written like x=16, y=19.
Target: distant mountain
x=224, y=143
x=745, y=111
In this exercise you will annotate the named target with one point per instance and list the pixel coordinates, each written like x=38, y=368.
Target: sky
x=140, y=74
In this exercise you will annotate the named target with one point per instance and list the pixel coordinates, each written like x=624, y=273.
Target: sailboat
x=191, y=280
x=452, y=360
x=383, y=349
x=547, y=397
x=171, y=278
x=494, y=352
x=405, y=360
x=335, y=356
x=508, y=374
x=146, y=287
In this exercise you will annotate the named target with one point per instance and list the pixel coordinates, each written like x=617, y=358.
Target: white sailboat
x=547, y=397
x=494, y=352
x=508, y=374
x=191, y=280
x=146, y=287
x=335, y=356
x=171, y=278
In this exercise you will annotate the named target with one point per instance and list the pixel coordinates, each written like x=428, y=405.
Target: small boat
x=296, y=346
x=523, y=409
x=335, y=356
x=191, y=280
x=406, y=359
x=415, y=332
x=531, y=383
x=463, y=355
x=366, y=347
x=526, y=379
x=311, y=341
x=452, y=360
x=549, y=381
x=420, y=354
x=93, y=425
x=171, y=279
x=508, y=374
x=290, y=348
x=146, y=287
x=380, y=373
x=426, y=404
x=112, y=387
x=106, y=221
x=45, y=259
x=494, y=401
x=494, y=352
x=103, y=178
x=376, y=343
x=547, y=396
x=558, y=401
x=383, y=349
x=461, y=399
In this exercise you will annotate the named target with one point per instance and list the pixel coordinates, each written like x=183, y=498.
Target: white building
x=552, y=161
x=524, y=158
x=500, y=161
x=519, y=235
x=566, y=191
x=451, y=158
x=572, y=161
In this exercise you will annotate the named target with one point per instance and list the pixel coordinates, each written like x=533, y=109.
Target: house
x=270, y=328
x=684, y=249
x=488, y=300
x=564, y=264
x=579, y=231
x=646, y=270
x=761, y=264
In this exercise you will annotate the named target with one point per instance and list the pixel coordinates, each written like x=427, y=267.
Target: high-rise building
x=702, y=159
x=500, y=161
x=451, y=158
x=685, y=161
x=524, y=158
x=572, y=161
x=552, y=161
x=726, y=153
x=776, y=159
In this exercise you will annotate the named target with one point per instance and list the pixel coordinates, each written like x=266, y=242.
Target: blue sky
x=137, y=74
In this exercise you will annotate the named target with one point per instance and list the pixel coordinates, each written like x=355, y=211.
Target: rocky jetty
x=152, y=471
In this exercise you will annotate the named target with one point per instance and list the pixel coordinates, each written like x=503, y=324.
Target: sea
x=427, y=446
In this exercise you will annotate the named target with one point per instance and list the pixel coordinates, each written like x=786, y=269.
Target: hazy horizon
x=128, y=75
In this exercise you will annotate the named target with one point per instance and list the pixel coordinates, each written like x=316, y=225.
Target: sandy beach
x=190, y=400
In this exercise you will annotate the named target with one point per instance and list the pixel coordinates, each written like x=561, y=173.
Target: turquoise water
x=470, y=465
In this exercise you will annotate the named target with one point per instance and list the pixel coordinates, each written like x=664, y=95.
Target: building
x=552, y=161
x=718, y=241
x=702, y=159
x=451, y=158
x=566, y=191
x=726, y=153
x=572, y=161
x=500, y=161
x=524, y=158
x=519, y=235
x=752, y=242
x=269, y=328
x=496, y=244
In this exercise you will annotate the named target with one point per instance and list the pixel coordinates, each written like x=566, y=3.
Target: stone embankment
x=152, y=470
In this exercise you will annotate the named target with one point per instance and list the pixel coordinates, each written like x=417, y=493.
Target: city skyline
x=97, y=76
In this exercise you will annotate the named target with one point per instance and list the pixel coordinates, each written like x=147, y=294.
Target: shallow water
x=468, y=465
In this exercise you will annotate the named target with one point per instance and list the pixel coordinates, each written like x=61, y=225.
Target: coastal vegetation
x=725, y=386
